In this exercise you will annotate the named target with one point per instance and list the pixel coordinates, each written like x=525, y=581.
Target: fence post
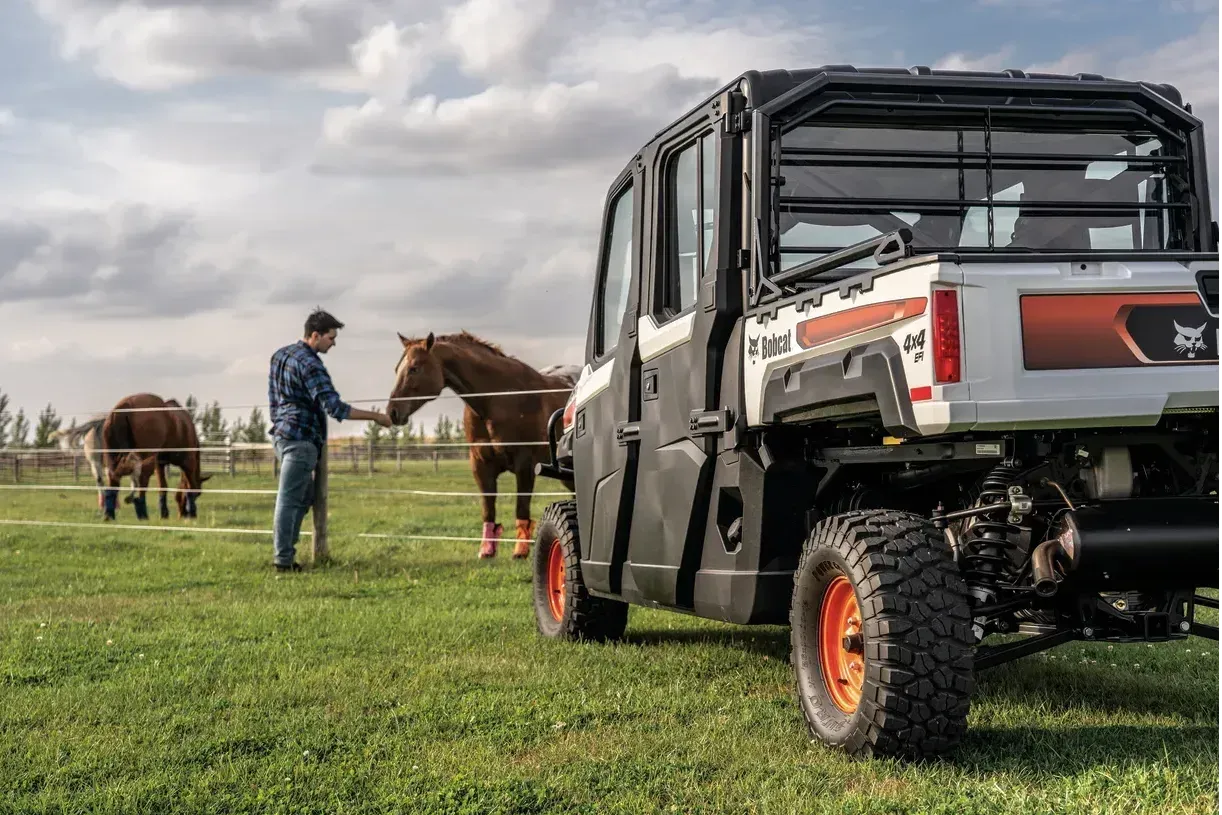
x=76, y=467
x=398, y=457
x=321, y=554
x=229, y=459
x=16, y=466
x=371, y=456
x=436, y=460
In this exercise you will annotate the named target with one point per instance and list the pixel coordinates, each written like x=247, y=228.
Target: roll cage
x=984, y=114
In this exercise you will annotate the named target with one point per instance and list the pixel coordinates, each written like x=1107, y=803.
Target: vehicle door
x=603, y=455
x=681, y=338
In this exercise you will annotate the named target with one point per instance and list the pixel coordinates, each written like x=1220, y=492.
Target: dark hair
x=322, y=322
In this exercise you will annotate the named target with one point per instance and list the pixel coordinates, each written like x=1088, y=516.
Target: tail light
x=570, y=410
x=946, y=340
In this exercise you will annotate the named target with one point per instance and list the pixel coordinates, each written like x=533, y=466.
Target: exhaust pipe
x=1043, y=562
x=1142, y=543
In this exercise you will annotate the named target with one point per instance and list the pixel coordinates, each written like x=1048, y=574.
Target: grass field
x=145, y=671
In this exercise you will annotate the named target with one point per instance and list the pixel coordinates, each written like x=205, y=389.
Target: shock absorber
x=990, y=537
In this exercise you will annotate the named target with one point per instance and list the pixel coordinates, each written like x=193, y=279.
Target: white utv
x=905, y=359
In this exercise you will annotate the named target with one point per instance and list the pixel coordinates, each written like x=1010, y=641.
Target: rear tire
x=564, y=609
x=881, y=637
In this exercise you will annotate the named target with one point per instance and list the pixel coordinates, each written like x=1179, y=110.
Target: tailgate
x=1058, y=344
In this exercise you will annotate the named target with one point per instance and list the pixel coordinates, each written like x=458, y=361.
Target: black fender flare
x=873, y=370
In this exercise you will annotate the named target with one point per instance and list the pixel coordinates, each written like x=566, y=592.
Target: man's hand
x=371, y=415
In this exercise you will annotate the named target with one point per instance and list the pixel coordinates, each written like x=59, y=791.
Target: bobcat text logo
x=775, y=345
x=1189, y=339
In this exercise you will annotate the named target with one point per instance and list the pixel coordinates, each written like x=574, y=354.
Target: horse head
x=419, y=376
x=187, y=494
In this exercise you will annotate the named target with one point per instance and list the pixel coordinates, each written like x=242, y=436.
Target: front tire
x=564, y=609
x=881, y=637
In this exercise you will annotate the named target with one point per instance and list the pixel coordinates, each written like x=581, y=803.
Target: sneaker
x=292, y=567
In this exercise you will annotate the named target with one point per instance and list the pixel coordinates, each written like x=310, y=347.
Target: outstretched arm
x=373, y=416
x=318, y=383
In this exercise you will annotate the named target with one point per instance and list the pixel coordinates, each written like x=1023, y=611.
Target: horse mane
x=467, y=338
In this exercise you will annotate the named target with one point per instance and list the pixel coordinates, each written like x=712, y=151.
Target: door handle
x=626, y=432
x=649, y=385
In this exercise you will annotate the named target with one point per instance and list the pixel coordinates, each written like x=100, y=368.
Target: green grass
x=146, y=671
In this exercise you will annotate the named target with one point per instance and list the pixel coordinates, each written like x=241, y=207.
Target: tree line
x=210, y=425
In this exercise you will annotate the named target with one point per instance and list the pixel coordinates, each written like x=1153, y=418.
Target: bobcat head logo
x=1189, y=340
x=753, y=347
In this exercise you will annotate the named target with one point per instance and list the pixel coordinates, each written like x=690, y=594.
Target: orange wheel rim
x=555, y=580
x=841, y=651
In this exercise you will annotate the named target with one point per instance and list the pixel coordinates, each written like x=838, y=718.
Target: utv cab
x=904, y=359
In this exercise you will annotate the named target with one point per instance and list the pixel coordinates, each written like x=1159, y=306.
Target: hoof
x=492, y=533
x=525, y=534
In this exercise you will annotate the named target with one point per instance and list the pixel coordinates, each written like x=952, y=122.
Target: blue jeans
x=295, y=496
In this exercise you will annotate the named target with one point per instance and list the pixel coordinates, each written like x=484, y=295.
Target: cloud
x=568, y=86
x=70, y=357
x=506, y=40
x=959, y=61
x=551, y=126
x=159, y=44
x=121, y=263
x=1190, y=63
x=392, y=59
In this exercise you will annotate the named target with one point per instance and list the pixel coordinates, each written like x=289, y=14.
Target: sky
x=182, y=181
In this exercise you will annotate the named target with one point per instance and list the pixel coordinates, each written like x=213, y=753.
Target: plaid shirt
x=300, y=391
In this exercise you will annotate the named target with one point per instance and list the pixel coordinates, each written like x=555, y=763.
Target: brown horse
x=511, y=427
x=143, y=422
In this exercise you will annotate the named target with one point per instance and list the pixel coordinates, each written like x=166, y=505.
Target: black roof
x=767, y=85
x=772, y=83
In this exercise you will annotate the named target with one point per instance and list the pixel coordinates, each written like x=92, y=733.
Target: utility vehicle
x=904, y=359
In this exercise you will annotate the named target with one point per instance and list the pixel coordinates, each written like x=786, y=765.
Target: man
x=302, y=396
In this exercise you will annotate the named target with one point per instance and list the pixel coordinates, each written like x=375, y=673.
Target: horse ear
x=402, y=339
x=428, y=344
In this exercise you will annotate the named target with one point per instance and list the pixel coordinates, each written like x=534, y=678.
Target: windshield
x=1049, y=191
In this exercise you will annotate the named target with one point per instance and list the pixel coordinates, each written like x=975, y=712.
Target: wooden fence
x=355, y=455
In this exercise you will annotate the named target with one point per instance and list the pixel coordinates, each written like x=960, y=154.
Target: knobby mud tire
x=584, y=616
x=916, y=643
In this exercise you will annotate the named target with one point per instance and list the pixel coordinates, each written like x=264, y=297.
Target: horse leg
x=163, y=500
x=485, y=476
x=141, y=491
x=137, y=477
x=114, y=470
x=525, y=526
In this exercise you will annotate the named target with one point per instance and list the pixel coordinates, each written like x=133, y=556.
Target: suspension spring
x=988, y=540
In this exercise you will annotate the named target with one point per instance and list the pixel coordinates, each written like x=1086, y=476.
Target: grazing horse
x=88, y=437
x=143, y=422
x=511, y=426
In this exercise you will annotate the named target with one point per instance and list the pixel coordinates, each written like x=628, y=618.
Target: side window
x=691, y=196
x=617, y=272
x=708, y=195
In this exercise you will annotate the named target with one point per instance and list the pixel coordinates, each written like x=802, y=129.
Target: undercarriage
x=1068, y=535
